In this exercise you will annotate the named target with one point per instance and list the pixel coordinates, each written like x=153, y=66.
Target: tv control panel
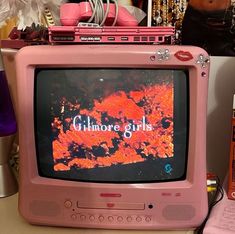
x=97, y=213
x=101, y=217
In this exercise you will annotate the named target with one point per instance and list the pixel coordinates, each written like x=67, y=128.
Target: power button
x=68, y=204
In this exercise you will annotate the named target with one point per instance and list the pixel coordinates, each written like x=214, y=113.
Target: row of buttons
x=101, y=218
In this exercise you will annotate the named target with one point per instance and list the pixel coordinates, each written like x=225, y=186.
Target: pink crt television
x=113, y=136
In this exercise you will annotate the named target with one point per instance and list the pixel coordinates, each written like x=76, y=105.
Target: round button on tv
x=73, y=216
x=92, y=218
x=129, y=218
x=138, y=219
x=101, y=218
x=67, y=204
x=110, y=218
x=82, y=217
x=119, y=218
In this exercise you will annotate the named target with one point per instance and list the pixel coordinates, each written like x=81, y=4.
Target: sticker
x=203, y=60
x=163, y=54
x=183, y=55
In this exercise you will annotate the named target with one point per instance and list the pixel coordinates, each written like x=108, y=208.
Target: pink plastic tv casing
x=166, y=205
x=73, y=13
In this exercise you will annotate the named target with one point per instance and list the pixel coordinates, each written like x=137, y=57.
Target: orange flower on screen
x=149, y=114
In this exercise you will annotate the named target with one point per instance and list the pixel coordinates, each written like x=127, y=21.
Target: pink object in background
x=71, y=14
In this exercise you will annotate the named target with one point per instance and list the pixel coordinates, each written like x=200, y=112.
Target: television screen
x=117, y=125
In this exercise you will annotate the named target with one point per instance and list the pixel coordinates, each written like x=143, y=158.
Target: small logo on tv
x=168, y=168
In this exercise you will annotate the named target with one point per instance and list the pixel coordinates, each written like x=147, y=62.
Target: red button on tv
x=110, y=205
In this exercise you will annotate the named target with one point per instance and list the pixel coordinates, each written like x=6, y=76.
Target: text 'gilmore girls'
x=81, y=124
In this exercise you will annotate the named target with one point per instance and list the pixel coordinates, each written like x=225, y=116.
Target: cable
x=106, y=13
x=93, y=8
x=117, y=9
x=218, y=196
x=100, y=14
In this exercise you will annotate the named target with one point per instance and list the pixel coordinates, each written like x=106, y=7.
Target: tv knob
x=138, y=219
x=92, y=218
x=67, y=204
x=129, y=218
x=110, y=218
x=82, y=217
x=148, y=219
x=119, y=218
x=73, y=216
x=101, y=218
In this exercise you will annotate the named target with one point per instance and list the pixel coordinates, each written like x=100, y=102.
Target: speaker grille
x=179, y=212
x=44, y=208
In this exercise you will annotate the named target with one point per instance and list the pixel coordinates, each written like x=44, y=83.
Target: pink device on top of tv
x=73, y=13
x=113, y=136
x=109, y=34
